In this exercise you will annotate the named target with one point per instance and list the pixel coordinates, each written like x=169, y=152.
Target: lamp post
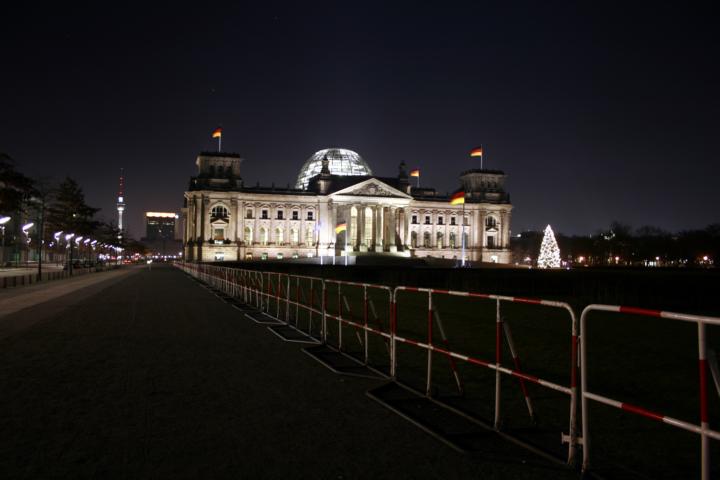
x=3, y=221
x=25, y=229
x=68, y=239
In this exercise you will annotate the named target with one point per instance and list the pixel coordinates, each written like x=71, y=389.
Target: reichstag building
x=338, y=207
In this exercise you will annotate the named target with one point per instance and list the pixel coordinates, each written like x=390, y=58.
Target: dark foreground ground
x=151, y=376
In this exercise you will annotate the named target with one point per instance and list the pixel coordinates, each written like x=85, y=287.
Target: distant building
x=227, y=220
x=160, y=233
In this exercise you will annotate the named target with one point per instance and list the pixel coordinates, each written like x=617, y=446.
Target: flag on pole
x=476, y=152
x=458, y=198
x=341, y=227
x=217, y=133
x=415, y=173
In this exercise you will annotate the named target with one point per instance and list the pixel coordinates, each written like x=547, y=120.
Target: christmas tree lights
x=549, y=252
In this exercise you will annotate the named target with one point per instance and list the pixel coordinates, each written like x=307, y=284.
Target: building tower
x=121, y=205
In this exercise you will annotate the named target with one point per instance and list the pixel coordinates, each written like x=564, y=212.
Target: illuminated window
x=248, y=236
x=219, y=211
x=426, y=240
x=263, y=236
x=439, y=240
x=452, y=239
x=309, y=237
x=279, y=236
x=294, y=236
x=219, y=234
x=340, y=162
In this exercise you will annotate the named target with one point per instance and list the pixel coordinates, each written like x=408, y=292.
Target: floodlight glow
x=78, y=239
x=93, y=242
x=87, y=240
x=69, y=236
x=4, y=220
x=56, y=235
x=27, y=227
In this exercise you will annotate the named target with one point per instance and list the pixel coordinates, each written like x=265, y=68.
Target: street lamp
x=3, y=221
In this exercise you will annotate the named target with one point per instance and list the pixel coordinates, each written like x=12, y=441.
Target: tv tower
x=121, y=204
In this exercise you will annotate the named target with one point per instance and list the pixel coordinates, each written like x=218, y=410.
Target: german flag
x=341, y=227
x=415, y=173
x=217, y=133
x=476, y=152
x=458, y=198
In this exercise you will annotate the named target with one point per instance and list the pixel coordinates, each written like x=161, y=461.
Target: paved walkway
x=151, y=376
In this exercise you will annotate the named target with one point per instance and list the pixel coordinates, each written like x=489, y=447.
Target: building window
x=452, y=220
x=219, y=212
x=279, y=256
x=219, y=256
x=219, y=234
x=490, y=223
x=248, y=236
x=294, y=236
x=310, y=215
x=249, y=214
x=264, y=215
x=309, y=237
x=439, y=240
x=453, y=240
x=279, y=214
x=491, y=241
x=263, y=236
x=295, y=215
x=248, y=256
x=426, y=239
x=427, y=219
x=414, y=219
x=263, y=256
x=413, y=239
x=440, y=220
x=279, y=236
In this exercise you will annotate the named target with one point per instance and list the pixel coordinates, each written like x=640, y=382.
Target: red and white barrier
x=703, y=429
x=497, y=366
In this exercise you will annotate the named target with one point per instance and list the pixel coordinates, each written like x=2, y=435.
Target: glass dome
x=342, y=162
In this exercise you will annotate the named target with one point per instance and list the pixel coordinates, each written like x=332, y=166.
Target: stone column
x=360, y=225
x=373, y=212
x=401, y=225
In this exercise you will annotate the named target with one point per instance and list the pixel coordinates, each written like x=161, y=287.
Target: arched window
x=219, y=211
x=466, y=237
x=439, y=240
x=248, y=236
x=426, y=240
x=263, y=236
x=309, y=238
x=413, y=239
x=279, y=236
x=294, y=236
x=453, y=240
x=490, y=223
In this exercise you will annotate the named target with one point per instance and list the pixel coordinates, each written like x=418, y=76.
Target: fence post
x=498, y=361
x=704, y=418
x=428, y=386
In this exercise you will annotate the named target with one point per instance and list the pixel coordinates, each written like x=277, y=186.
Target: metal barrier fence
x=431, y=344
x=703, y=429
x=334, y=311
x=357, y=309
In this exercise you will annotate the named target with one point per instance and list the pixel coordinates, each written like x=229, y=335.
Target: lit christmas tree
x=549, y=252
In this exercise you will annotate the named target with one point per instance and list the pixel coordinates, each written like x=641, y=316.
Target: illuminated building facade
x=160, y=233
x=225, y=220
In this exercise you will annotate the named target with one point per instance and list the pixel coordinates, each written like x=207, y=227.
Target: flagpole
x=482, y=156
x=418, y=181
x=220, y=142
x=346, y=250
x=462, y=237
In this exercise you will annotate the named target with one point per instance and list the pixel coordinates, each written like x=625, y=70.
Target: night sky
x=596, y=112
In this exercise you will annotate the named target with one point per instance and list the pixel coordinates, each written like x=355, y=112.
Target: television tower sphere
x=341, y=162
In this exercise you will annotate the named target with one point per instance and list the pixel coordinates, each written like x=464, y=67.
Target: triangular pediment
x=371, y=187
